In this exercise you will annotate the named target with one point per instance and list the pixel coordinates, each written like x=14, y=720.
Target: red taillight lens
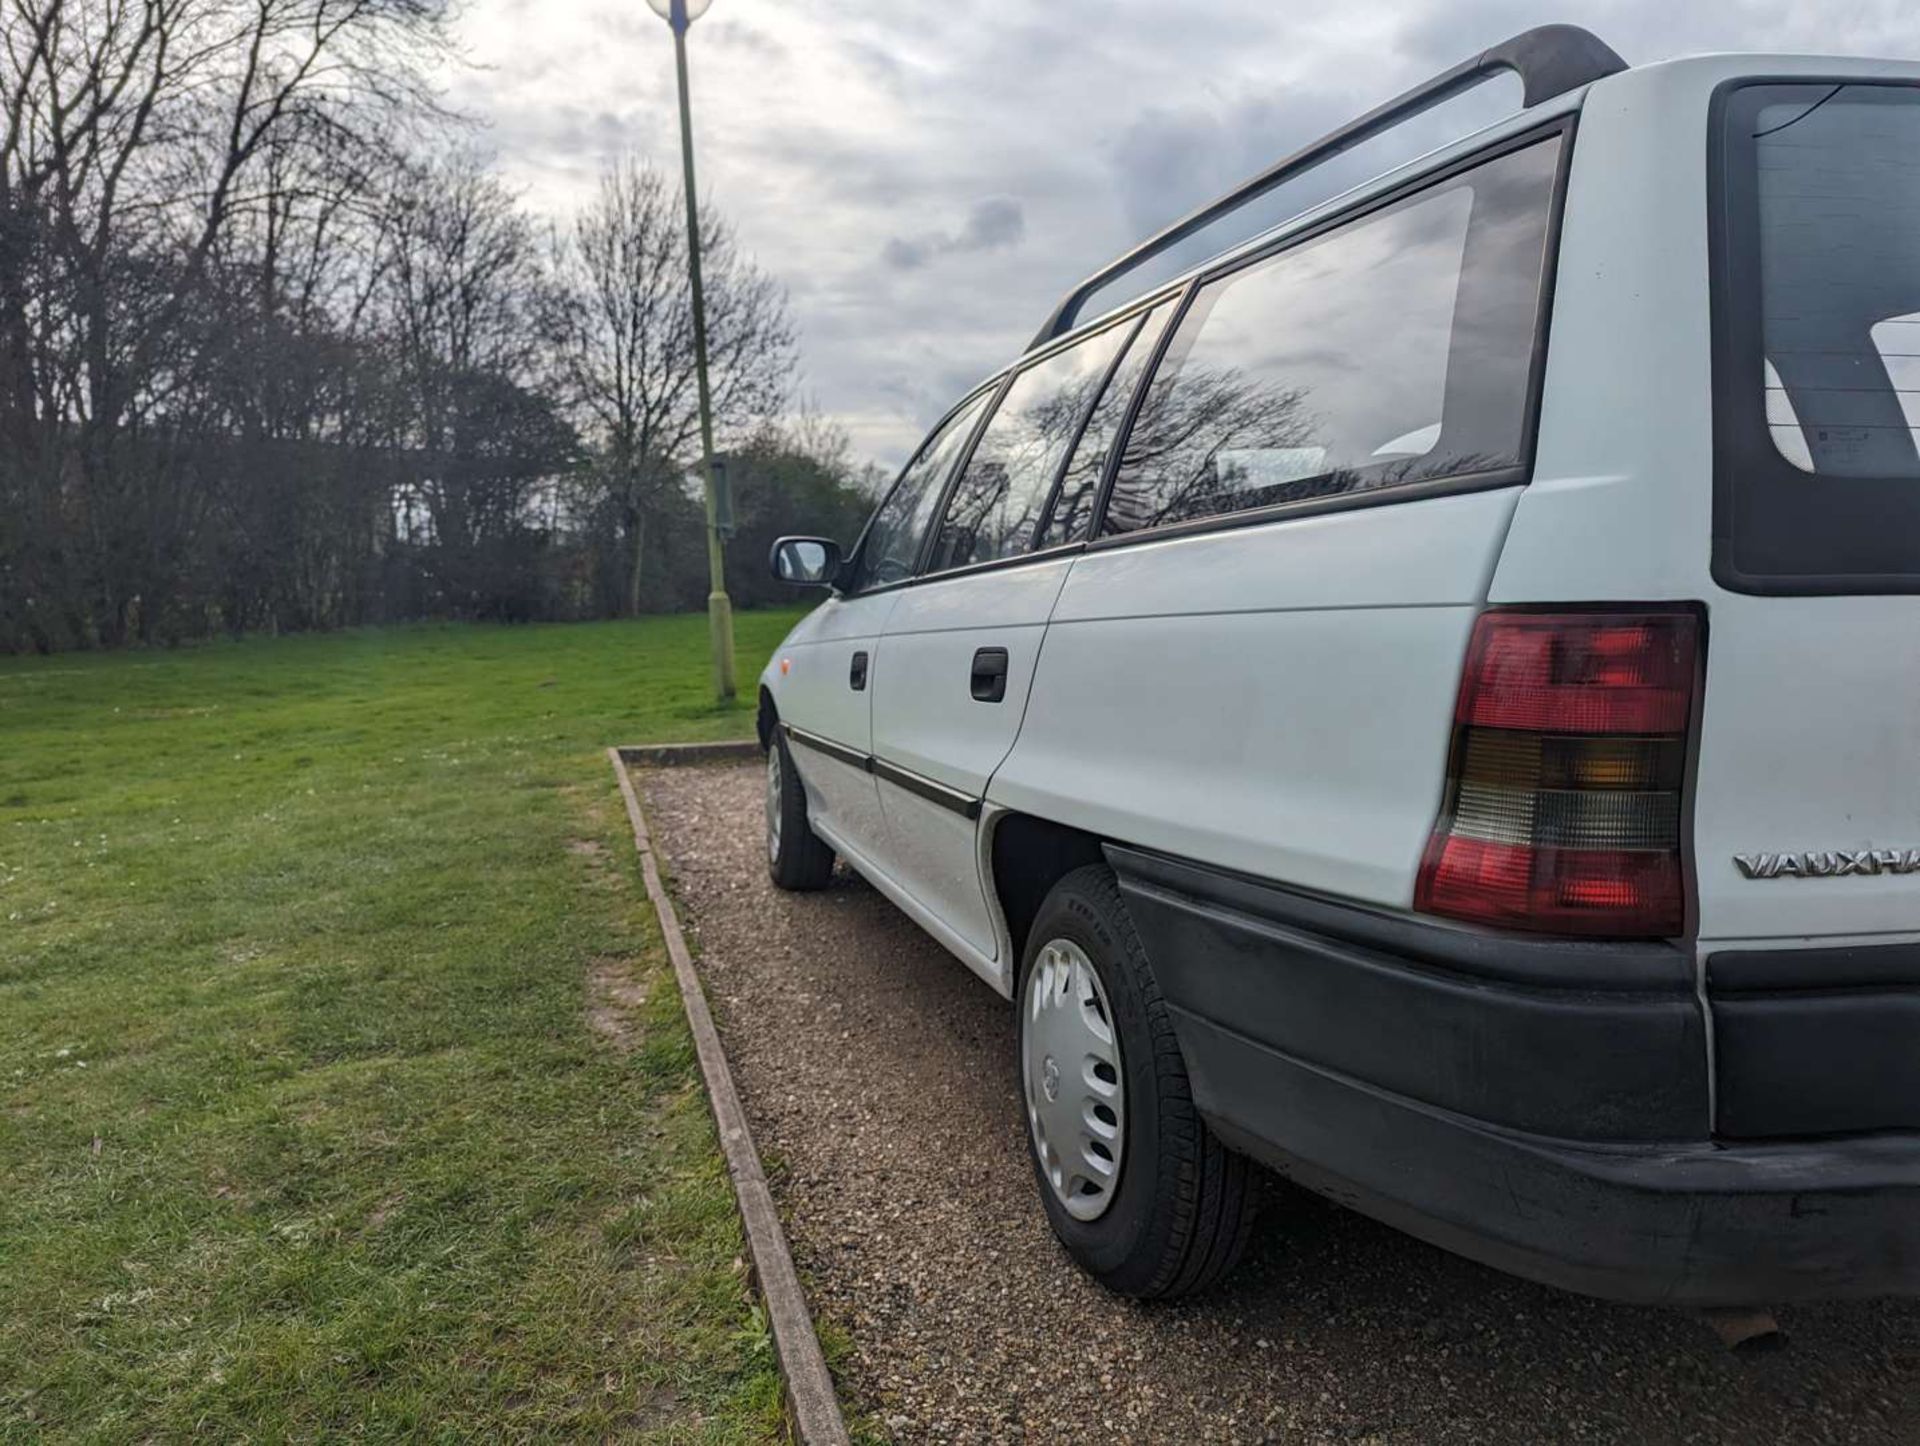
x=1563, y=800
x=1557, y=674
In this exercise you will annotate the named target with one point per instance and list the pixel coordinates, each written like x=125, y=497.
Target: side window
x=1072, y=516
x=1397, y=348
x=996, y=504
x=893, y=538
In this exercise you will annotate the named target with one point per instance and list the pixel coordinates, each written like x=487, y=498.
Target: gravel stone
x=878, y=1074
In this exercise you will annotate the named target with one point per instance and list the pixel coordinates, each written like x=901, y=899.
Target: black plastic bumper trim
x=1535, y=1105
x=1531, y=961
x=1681, y=1223
x=1774, y=971
x=1811, y=1042
x=1527, y=1048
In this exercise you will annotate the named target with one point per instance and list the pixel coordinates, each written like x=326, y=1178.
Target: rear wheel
x=796, y=858
x=1139, y=1191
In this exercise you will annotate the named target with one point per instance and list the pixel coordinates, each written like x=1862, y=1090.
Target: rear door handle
x=857, y=673
x=988, y=680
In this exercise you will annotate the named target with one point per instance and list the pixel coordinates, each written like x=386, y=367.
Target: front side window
x=1818, y=377
x=1395, y=349
x=996, y=504
x=892, y=543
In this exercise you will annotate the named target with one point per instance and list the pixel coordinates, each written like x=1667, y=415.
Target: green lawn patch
x=344, y=1090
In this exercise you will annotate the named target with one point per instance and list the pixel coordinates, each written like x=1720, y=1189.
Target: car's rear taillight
x=1564, y=795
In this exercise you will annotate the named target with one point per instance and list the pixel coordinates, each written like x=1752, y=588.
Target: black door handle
x=989, y=677
x=857, y=674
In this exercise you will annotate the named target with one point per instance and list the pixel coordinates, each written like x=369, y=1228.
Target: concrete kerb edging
x=673, y=755
x=810, y=1396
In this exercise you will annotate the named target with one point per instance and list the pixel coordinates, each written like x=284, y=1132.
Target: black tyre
x=796, y=859
x=1139, y=1191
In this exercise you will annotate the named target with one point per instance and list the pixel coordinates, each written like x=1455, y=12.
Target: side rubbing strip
x=963, y=804
x=852, y=756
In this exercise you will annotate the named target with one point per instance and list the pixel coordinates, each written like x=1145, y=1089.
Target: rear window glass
x=1395, y=349
x=996, y=504
x=1072, y=515
x=1819, y=372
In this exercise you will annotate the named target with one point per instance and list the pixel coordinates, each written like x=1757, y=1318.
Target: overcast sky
x=927, y=176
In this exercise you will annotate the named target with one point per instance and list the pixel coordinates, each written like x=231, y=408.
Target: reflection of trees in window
x=1392, y=349
x=1172, y=467
x=1206, y=439
x=893, y=538
x=1072, y=516
x=974, y=497
x=1080, y=487
x=996, y=503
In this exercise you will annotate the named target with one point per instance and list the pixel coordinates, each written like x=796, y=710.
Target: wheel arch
x=767, y=719
x=1026, y=857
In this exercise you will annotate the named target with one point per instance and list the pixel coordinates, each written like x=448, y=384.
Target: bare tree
x=463, y=290
x=133, y=133
x=626, y=344
x=276, y=353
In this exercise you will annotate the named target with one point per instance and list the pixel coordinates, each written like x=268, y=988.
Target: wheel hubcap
x=773, y=802
x=1070, y=1062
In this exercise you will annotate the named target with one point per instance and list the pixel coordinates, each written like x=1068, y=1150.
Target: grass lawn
x=344, y=1090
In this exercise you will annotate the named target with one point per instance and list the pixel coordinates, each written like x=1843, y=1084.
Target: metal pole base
x=720, y=633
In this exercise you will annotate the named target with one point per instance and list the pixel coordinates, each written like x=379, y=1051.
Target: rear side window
x=995, y=506
x=1817, y=323
x=1395, y=349
x=892, y=543
x=1072, y=515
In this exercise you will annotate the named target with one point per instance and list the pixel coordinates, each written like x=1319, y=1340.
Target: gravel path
x=878, y=1074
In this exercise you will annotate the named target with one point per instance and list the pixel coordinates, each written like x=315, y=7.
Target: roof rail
x=1549, y=59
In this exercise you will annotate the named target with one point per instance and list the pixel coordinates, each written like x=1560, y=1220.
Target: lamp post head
x=679, y=13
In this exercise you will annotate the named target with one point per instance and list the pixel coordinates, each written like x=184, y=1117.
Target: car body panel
x=809, y=677
x=926, y=721
x=1273, y=699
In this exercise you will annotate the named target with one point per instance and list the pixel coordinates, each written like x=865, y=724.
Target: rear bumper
x=1539, y=1106
x=1820, y=1041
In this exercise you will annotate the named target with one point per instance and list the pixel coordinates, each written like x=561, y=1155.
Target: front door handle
x=857, y=673
x=988, y=679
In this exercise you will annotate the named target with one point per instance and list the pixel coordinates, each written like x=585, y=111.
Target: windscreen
x=1819, y=378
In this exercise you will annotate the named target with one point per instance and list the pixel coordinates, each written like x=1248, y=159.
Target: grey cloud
x=991, y=225
x=843, y=170
x=749, y=40
x=998, y=222
x=879, y=64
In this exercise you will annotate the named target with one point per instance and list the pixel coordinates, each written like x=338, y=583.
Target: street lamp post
x=679, y=14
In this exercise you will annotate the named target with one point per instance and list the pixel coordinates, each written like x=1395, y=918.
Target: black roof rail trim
x=1549, y=59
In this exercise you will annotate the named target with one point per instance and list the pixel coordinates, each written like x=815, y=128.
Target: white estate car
x=1430, y=699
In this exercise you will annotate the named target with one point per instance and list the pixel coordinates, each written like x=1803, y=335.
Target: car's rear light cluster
x=1564, y=795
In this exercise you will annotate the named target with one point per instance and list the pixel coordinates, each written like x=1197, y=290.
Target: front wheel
x=796, y=858
x=1139, y=1191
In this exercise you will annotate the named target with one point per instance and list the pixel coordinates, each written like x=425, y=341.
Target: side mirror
x=807, y=561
